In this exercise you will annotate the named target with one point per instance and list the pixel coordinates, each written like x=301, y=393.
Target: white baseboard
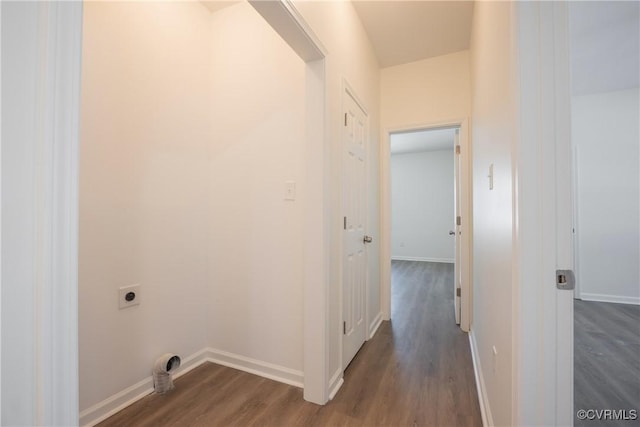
x=609, y=298
x=373, y=327
x=257, y=367
x=103, y=410
x=335, y=383
x=423, y=259
x=483, y=398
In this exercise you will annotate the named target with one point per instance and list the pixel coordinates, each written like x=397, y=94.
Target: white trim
x=257, y=367
x=466, y=208
x=336, y=383
x=564, y=206
x=423, y=259
x=64, y=111
x=542, y=327
x=283, y=16
x=0, y=216
x=317, y=242
x=49, y=394
x=110, y=406
x=577, y=292
x=483, y=396
x=346, y=87
x=300, y=37
x=374, y=325
x=117, y=402
x=334, y=390
x=616, y=299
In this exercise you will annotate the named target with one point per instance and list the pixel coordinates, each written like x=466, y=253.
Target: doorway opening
x=426, y=207
x=423, y=204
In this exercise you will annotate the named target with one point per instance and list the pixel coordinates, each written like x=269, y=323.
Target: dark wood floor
x=416, y=371
x=606, y=358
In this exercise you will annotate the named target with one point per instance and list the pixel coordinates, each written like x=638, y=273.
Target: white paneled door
x=354, y=202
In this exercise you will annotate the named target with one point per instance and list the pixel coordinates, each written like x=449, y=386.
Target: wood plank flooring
x=416, y=371
x=606, y=358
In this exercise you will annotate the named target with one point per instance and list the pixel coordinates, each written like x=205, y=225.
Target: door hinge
x=344, y=225
x=344, y=328
x=345, y=119
x=458, y=220
x=457, y=149
x=565, y=280
x=458, y=292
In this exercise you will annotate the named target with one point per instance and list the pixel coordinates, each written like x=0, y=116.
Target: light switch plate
x=290, y=190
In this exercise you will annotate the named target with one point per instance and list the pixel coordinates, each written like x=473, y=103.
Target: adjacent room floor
x=606, y=359
x=416, y=371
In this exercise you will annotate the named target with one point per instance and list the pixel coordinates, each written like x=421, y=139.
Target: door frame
x=51, y=393
x=542, y=314
x=575, y=157
x=0, y=215
x=466, y=213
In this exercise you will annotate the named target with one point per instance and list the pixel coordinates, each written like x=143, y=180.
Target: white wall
x=143, y=188
x=350, y=57
x=422, y=206
x=493, y=135
x=255, y=253
x=427, y=91
x=605, y=132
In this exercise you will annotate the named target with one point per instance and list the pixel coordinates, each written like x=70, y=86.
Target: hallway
x=416, y=371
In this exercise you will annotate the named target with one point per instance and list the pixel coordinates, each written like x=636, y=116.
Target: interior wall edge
x=375, y=324
x=483, y=397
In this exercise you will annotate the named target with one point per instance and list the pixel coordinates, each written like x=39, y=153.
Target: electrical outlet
x=128, y=296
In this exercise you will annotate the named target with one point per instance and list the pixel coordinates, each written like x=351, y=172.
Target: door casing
x=466, y=214
x=542, y=315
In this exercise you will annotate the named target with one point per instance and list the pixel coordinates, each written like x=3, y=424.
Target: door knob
x=367, y=239
x=452, y=233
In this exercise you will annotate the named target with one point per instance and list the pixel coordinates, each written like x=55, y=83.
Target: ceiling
x=422, y=140
x=605, y=46
x=215, y=5
x=408, y=31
